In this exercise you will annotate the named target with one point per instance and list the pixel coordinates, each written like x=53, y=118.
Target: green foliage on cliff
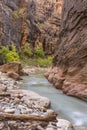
x=3, y=52
x=46, y=62
x=39, y=51
x=25, y=55
x=12, y=55
x=8, y=55
x=18, y=14
x=25, y=52
x=34, y=58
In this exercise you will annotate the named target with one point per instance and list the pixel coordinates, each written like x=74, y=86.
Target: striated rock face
x=31, y=21
x=47, y=16
x=69, y=71
x=10, y=30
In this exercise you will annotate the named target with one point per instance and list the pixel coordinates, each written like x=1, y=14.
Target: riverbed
x=70, y=108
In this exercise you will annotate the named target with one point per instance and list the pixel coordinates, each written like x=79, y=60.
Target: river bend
x=70, y=108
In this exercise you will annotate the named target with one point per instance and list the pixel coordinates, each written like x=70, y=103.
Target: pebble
x=1, y=126
x=17, y=111
x=49, y=111
x=16, y=101
x=39, y=128
x=2, y=104
x=8, y=110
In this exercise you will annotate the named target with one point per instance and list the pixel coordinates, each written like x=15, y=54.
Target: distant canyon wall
x=69, y=70
x=30, y=21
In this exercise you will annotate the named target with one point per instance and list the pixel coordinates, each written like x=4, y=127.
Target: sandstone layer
x=69, y=71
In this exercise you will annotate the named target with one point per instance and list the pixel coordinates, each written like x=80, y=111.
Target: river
x=70, y=108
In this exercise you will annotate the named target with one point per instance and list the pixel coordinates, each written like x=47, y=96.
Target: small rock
x=8, y=110
x=0, y=73
x=1, y=125
x=49, y=128
x=16, y=101
x=17, y=111
x=39, y=128
x=21, y=107
x=13, y=75
x=13, y=125
x=3, y=104
x=64, y=124
x=14, y=83
x=11, y=122
x=7, y=100
x=49, y=111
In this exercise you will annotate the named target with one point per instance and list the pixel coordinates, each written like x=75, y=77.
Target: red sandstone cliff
x=69, y=71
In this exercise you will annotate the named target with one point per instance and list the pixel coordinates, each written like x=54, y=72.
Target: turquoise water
x=70, y=108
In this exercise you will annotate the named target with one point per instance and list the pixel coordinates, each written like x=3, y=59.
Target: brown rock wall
x=71, y=53
x=28, y=21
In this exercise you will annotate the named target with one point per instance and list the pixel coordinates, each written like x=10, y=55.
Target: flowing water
x=70, y=108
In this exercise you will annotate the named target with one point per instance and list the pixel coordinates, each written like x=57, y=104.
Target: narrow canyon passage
x=70, y=108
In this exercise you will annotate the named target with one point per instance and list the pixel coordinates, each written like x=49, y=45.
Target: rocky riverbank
x=68, y=82
x=22, y=109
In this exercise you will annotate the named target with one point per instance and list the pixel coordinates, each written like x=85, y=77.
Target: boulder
x=14, y=75
x=64, y=125
x=15, y=67
x=14, y=70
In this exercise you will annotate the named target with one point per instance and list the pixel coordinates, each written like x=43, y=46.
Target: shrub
x=46, y=62
x=25, y=51
x=3, y=52
x=18, y=14
x=9, y=55
x=39, y=51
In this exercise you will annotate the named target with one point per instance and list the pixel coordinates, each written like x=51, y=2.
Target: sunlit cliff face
x=56, y=3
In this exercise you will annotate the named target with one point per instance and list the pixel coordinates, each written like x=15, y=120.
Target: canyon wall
x=30, y=21
x=69, y=70
x=10, y=30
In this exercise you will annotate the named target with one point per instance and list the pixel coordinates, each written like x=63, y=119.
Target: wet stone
x=1, y=125
x=8, y=110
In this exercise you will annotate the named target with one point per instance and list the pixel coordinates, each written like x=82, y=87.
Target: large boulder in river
x=70, y=61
